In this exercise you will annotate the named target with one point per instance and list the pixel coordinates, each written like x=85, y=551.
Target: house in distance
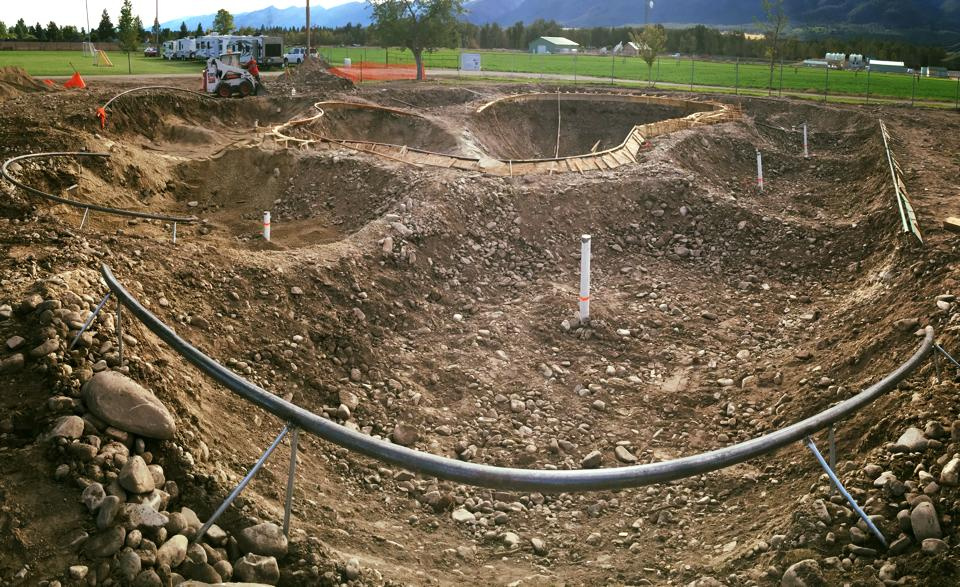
x=553, y=45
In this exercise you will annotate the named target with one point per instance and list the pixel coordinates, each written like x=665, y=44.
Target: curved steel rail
x=76, y=203
x=510, y=478
x=141, y=88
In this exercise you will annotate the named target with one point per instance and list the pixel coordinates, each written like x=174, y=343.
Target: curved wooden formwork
x=701, y=113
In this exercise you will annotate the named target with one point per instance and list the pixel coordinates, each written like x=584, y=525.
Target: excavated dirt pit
x=435, y=308
x=528, y=129
x=376, y=125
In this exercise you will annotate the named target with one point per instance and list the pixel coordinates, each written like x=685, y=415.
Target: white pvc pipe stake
x=585, y=279
x=266, y=226
x=174, y=233
x=759, y=170
x=806, y=151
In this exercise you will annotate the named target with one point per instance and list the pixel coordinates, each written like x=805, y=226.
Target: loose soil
x=437, y=299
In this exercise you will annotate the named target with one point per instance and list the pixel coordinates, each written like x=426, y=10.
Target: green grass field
x=678, y=71
x=48, y=63
x=669, y=70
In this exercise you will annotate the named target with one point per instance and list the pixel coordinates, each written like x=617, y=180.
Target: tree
x=223, y=22
x=53, y=32
x=105, y=30
x=773, y=28
x=184, y=31
x=199, y=32
x=651, y=41
x=20, y=30
x=417, y=25
x=129, y=32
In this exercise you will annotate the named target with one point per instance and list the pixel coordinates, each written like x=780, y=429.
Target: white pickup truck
x=296, y=55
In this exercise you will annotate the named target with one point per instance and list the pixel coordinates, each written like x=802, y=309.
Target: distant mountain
x=352, y=12
x=892, y=14
x=896, y=14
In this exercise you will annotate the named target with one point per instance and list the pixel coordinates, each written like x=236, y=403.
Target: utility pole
x=86, y=4
x=156, y=29
x=308, y=30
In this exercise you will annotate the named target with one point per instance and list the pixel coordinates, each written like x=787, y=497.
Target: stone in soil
x=173, y=551
x=924, y=521
x=135, y=476
x=124, y=404
x=805, y=573
x=254, y=568
x=105, y=543
x=266, y=539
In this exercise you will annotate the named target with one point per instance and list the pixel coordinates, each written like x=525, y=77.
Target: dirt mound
x=310, y=77
x=15, y=81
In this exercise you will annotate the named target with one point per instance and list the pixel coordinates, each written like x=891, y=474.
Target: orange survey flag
x=75, y=82
x=102, y=115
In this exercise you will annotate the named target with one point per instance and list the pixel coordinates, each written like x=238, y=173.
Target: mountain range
x=894, y=14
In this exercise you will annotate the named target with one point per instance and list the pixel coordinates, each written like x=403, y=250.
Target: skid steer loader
x=225, y=77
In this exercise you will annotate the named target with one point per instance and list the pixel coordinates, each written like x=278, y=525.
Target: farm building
x=553, y=45
x=878, y=66
x=630, y=49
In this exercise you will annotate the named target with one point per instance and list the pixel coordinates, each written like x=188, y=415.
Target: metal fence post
x=693, y=65
x=843, y=491
x=913, y=95
x=868, y=84
x=737, y=85
x=958, y=93
x=826, y=84
x=291, y=479
x=236, y=492
x=120, y=330
x=89, y=320
x=780, y=93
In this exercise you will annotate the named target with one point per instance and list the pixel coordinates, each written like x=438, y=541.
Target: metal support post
x=936, y=366
x=236, y=492
x=291, y=479
x=89, y=321
x=868, y=84
x=585, y=279
x=947, y=355
x=693, y=66
x=843, y=491
x=806, y=149
x=831, y=436
x=826, y=84
x=120, y=331
x=86, y=212
x=780, y=94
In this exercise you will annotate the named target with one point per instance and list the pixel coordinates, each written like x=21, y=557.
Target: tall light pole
x=86, y=4
x=156, y=28
x=308, y=30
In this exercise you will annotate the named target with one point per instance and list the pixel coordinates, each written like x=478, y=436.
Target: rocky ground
x=435, y=308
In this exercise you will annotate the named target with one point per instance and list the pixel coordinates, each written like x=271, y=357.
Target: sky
x=72, y=12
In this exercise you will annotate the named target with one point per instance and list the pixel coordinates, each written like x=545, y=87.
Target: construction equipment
x=225, y=76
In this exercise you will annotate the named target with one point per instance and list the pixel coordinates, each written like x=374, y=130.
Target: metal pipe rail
x=511, y=478
x=76, y=203
x=142, y=88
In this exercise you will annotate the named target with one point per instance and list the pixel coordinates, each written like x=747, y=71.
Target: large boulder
x=124, y=404
x=266, y=539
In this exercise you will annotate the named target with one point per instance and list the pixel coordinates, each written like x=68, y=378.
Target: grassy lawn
x=48, y=63
x=677, y=71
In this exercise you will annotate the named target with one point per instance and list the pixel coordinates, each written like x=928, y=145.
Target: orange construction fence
x=370, y=71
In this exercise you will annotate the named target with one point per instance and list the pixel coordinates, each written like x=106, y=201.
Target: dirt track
x=430, y=304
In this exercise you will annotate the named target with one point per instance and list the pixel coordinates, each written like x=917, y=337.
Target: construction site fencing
x=676, y=72
x=359, y=72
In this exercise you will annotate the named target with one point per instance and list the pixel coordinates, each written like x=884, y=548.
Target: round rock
x=265, y=539
x=124, y=404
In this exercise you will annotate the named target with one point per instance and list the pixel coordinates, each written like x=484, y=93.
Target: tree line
x=698, y=40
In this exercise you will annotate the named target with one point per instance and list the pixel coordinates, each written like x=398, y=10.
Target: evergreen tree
x=184, y=32
x=105, y=30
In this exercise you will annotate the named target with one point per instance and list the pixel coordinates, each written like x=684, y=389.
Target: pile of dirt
x=15, y=81
x=310, y=77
